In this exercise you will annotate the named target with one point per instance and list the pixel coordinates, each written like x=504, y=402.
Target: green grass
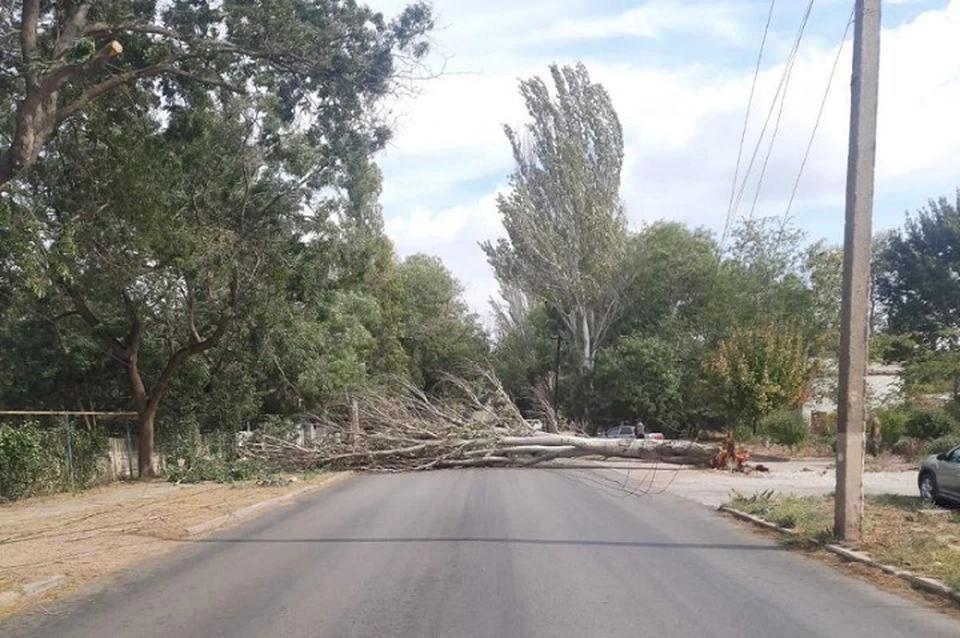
x=897, y=530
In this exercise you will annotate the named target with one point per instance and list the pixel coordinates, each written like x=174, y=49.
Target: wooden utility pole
x=852, y=408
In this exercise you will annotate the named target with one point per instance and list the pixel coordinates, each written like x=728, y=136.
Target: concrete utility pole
x=852, y=409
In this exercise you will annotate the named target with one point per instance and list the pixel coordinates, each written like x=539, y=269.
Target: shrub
x=893, y=424
x=941, y=444
x=786, y=427
x=215, y=468
x=907, y=448
x=25, y=462
x=33, y=460
x=929, y=423
x=744, y=434
x=89, y=447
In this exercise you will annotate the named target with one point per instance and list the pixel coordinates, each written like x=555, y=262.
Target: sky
x=679, y=73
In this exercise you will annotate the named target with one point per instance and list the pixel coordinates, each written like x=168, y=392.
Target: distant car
x=621, y=432
x=654, y=436
x=939, y=478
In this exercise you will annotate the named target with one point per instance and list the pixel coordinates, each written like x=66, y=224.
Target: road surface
x=485, y=553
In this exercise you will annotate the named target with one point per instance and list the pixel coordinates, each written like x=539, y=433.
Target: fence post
x=66, y=423
x=354, y=423
x=129, y=452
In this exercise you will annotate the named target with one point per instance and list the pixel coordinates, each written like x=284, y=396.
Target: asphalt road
x=496, y=553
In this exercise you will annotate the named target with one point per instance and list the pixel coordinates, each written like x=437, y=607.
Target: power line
x=781, y=87
x=746, y=121
x=816, y=124
x=791, y=62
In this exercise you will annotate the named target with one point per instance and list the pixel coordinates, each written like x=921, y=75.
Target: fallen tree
x=476, y=425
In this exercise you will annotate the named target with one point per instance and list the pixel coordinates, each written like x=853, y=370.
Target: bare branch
x=117, y=349
x=209, y=81
x=75, y=24
x=61, y=76
x=107, y=29
x=96, y=91
x=28, y=38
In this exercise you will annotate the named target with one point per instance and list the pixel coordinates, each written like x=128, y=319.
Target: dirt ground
x=802, y=477
x=85, y=536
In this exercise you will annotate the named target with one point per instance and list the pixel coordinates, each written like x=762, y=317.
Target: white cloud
x=653, y=20
x=453, y=235
x=682, y=129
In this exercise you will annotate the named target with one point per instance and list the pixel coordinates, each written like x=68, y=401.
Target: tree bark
x=586, y=336
x=677, y=452
x=146, y=404
x=145, y=444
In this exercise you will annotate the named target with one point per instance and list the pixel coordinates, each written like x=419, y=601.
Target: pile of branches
x=475, y=424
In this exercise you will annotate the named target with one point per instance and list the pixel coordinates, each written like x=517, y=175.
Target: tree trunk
x=34, y=126
x=146, y=409
x=676, y=452
x=145, y=443
x=587, y=346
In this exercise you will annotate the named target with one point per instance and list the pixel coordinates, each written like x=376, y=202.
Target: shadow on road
x=499, y=541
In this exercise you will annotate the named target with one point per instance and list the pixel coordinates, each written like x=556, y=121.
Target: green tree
x=524, y=353
x=566, y=241
x=384, y=283
x=640, y=377
x=441, y=335
x=761, y=280
x=674, y=270
x=919, y=285
x=759, y=371
x=823, y=266
x=159, y=270
x=316, y=67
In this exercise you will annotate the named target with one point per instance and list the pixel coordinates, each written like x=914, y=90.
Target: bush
x=215, y=468
x=942, y=444
x=25, y=462
x=786, y=427
x=929, y=423
x=893, y=424
x=33, y=460
x=744, y=434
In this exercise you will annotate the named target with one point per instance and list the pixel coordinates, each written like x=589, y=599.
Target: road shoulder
x=52, y=546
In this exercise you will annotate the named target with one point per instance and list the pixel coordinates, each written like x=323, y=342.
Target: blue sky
x=679, y=74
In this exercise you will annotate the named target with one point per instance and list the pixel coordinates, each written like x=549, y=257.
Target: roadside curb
x=750, y=518
x=246, y=512
x=929, y=585
x=31, y=590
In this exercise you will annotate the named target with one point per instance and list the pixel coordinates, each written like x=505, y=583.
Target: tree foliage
x=758, y=371
x=919, y=283
x=641, y=378
x=315, y=68
x=211, y=232
x=442, y=334
x=566, y=241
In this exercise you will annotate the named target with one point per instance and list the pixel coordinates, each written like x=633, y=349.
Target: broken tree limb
x=474, y=425
x=679, y=452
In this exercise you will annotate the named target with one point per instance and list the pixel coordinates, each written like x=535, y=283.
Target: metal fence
x=68, y=449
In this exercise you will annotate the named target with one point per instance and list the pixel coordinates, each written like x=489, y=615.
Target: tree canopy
x=314, y=68
x=919, y=278
x=566, y=231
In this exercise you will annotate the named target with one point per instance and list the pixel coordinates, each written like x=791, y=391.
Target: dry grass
x=897, y=530
x=98, y=532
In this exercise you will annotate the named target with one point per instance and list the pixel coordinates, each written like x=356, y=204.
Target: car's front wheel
x=928, y=488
